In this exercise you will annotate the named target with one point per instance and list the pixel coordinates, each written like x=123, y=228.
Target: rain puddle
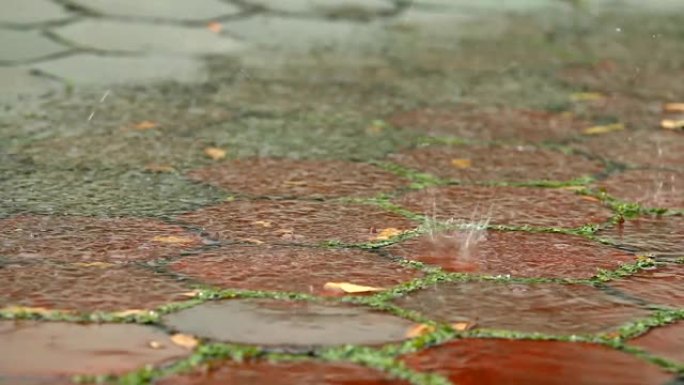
x=302, y=324
x=667, y=342
x=497, y=361
x=663, y=285
x=518, y=254
x=545, y=308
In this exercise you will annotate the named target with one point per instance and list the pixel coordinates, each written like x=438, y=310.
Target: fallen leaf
x=673, y=107
x=586, y=96
x=191, y=294
x=214, y=26
x=253, y=240
x=145, y=125
x=156, y=345
x=93, y=264
x=671, y=124
x=26, y=309
x=172, y=239
x=597, y=130
x=387, y=233
x=215, y=153
x=350, y=288
x=462, y=326
x=130, y=312
x=159, y=168
x=590, y=198
x=421, y=329
x=184, y=340
x=263, y=223
x=461, y=163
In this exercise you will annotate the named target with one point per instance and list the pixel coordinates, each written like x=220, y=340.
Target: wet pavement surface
x=341, y=192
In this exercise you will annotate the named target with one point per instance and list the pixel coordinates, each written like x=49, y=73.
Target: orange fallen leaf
x=462, y=326
x=145, y=125
x=350, y=288
x=93, y=264
x=387, y=233
x=263, y=223
x=214, y=26
x=597, y=130
x=421, y=329
x=191, y=294
x=172, y=239
x=184, y=340
x=586, y=96
x=159, y=168
x=215, y=153
x=671, y=124
x=673, y=107
x=461, y=163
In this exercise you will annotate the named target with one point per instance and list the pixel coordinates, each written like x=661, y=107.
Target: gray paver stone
x=182, y=10
x=16, y=46
x=324, y=6
x=17, y=82
x=19, y=12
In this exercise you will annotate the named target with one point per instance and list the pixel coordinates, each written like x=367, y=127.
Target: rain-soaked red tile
x=288, y=323
x=303, y=222
x=295, y=269
x=547, y=308
x=490, y=123
x=520, y=254
x=506, y=206
x=657, y=234
x=650, y=188
x=301, y=178
x=499, y=361
x=654, y=148
x=283, y=373
x=666, y=341
x=634, y=113
x=663, y=285
x=33, y=352
x=86, y=287
x=85, y=239
x=503, y=164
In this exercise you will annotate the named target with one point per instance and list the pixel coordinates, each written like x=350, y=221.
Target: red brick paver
x=664, y=234
x=667, y=342
x=650, y=188
x=662, y=286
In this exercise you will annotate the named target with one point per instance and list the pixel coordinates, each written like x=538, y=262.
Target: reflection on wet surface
x=663, y=285
x=664, y=234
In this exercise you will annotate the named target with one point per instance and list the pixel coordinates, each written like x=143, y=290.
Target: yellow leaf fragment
x=184, y=340
x=93, y=264
x=191, y=294
x=672, y=124
x=174, y=240
x=26, y=309
x=421, y=329
x=597, y=130
x=215, y=153
x=156, y=345
x=586, y=96
x=350, y=288
x=159, y=168
x=462, y=326
x=461, y=163
x=387, y=233
x=130, y=312
x=252, y=240
x=145, y=125
x=214, y=26
x=263, y=223
x=673, y=107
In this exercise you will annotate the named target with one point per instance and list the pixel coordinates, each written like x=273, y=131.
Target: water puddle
x=63, y=349
x=279, y=323
x=515, y=206
x=667, y=342
x=650, y=188
x=299, y=222
x=283, y=373
x=496, y=362
x=662, y=286
x=500, y=164
x=546, y=308
x=519, y=254
x=299, y=178
x=293, y=269
x=648, y=234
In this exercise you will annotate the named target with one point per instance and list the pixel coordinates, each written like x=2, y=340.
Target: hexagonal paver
x=664, y=234
x=19, y=46
x=301, y=178
x=326, y=7
x=161, y=9
x=89, y=69
x=269, y=322
x=650, y=188
x=137, y=37
x=516, y=206
x=519, y=254
x=31, y=11
x=84, y=239
x=666, y=341
x=291, y=268
x=502, y=164
x=86, y=287
x=283, y=373
x=500, y=361
x=546, y=308
x=18, y=82
x=295, y=221
x=655, y=148
x=662, y=286
x=490, y=124
x=63, y=349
